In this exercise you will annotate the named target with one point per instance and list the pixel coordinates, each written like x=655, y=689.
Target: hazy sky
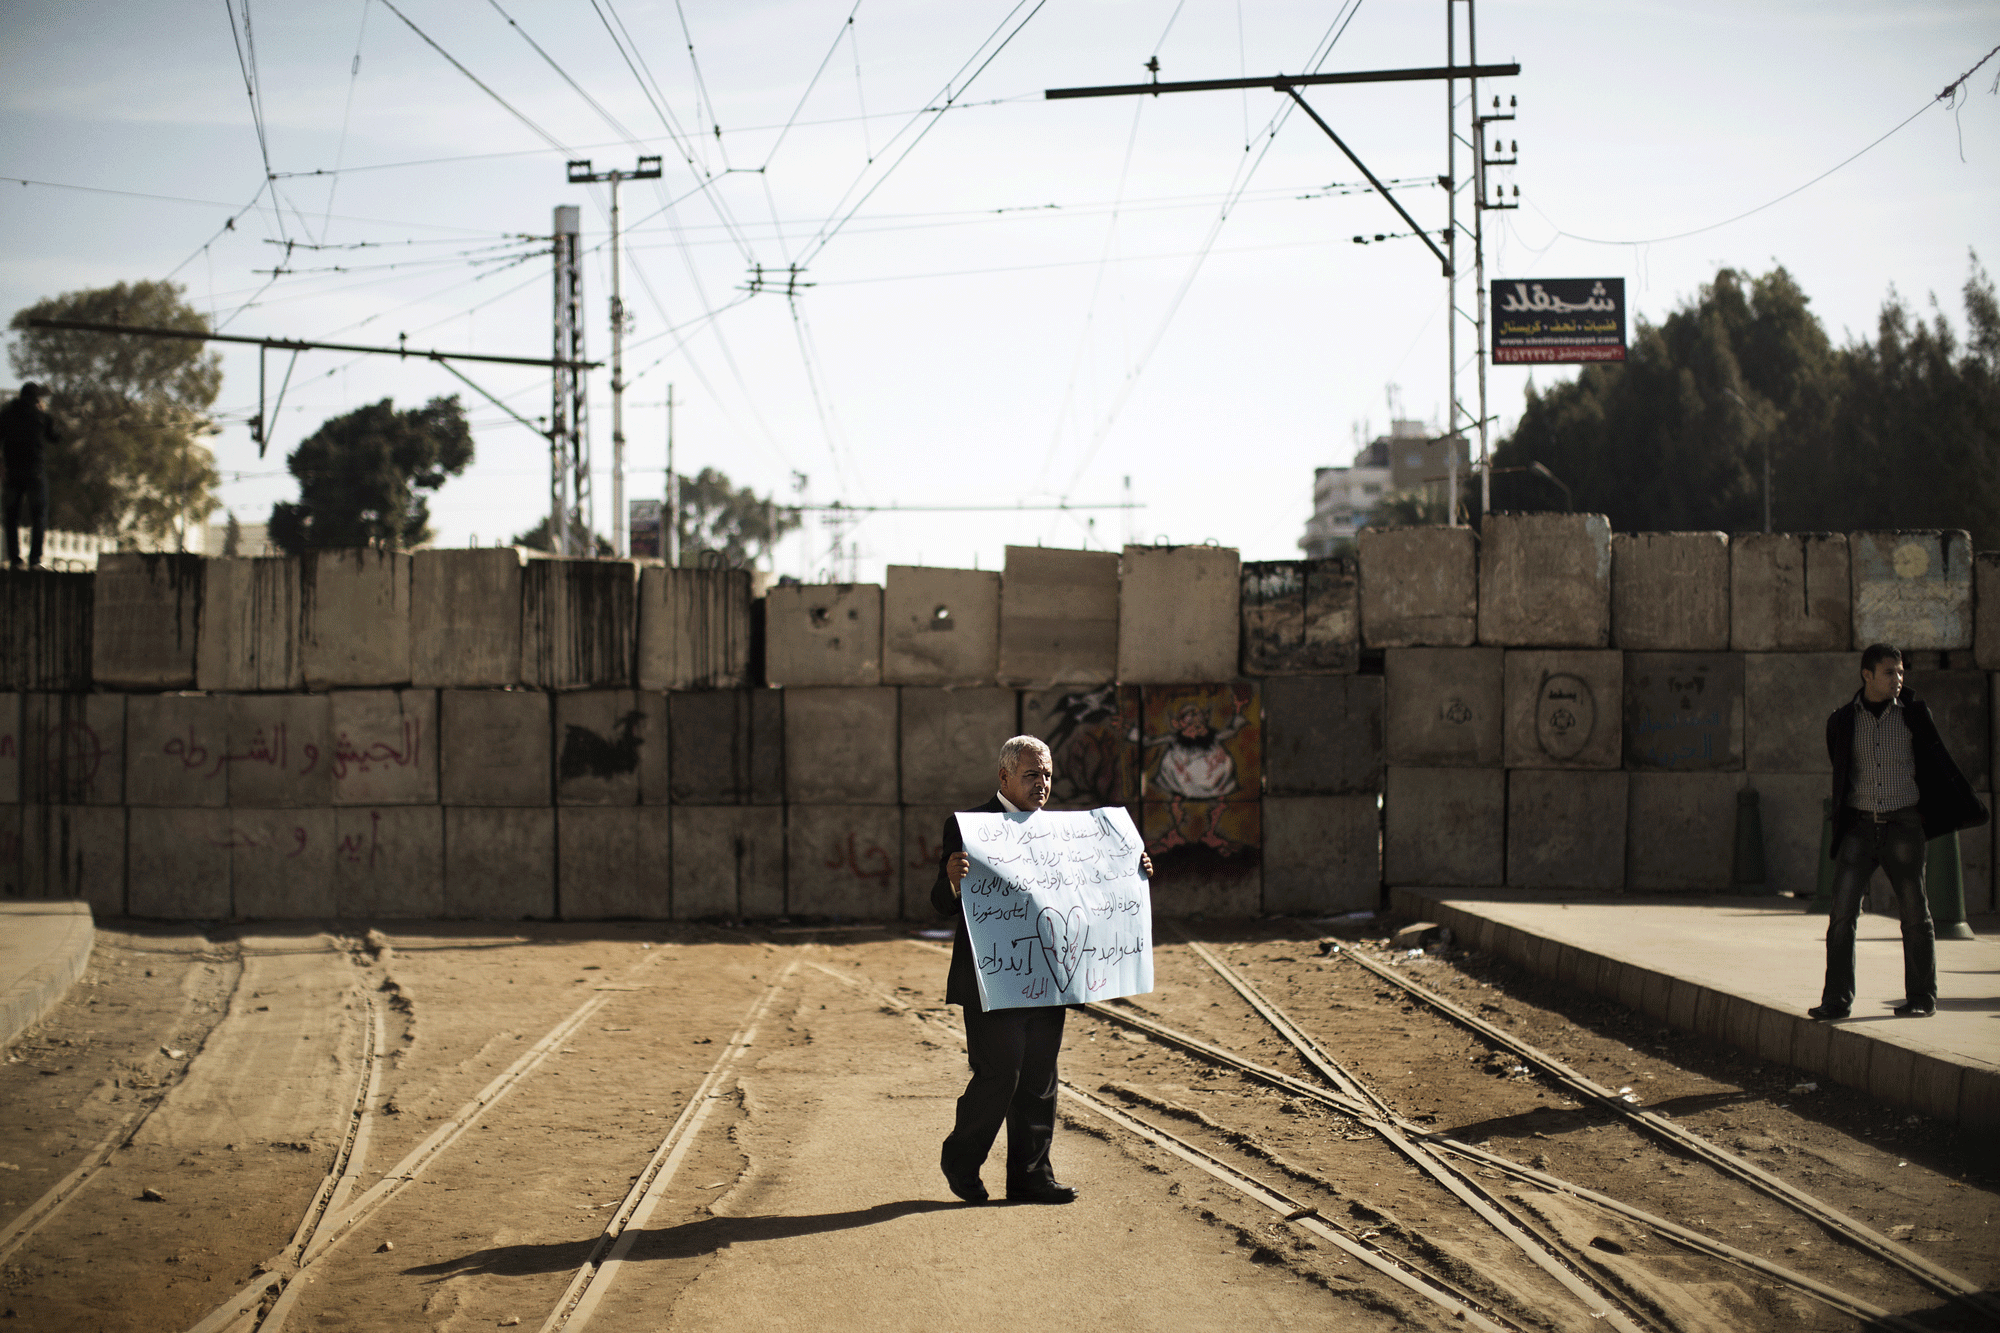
x=1014, y=300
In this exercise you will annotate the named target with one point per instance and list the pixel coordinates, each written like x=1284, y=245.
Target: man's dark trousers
x=34, y=491
x=1897, y=845
x=1013, y=1057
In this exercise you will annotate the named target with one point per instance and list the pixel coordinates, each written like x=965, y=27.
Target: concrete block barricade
x=389, y=861
x=499, y=864
x=1986, y=610
x=465, y=618
x=46, y=623
x=1091, y=732
x=727, y=747
x=178, y=863
x=1191, y=881
x=1958, y=704
x=1791, y=808
x=1680, y=831
x=1683, y=712
x=728, y=861
x=694, y=629
x=1545, y=581
x=493, y=747
x=613, y=863
x=1786, y=700
x=176, y=750
x=1301, y=617
x=844, y=860
x=1443, y=707
x=70, y=749
x=281, y=864
x=13, y=741
x=1419, y=587
x=1177, y=614
x=1670, y=591
x=1566, y=830
x=1562, y=709
x=277, y=750
x=1322, y=854
x=249, y=632
x=1059, y=617
x=579, y=624
x=940, y=626
x=829, y=634
x=1912, y=589
x=841, y=747
x=384, y=746
x=354, y=618
x=1445, y=827
x=923, y=833
x=611, y=747
x=1789, y=592
x=1322, y=735
x=146, y=621
x=950, y=743
x=75, y=851
x=13, y=871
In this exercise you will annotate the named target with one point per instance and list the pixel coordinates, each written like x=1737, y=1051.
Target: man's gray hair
x=1011, y=752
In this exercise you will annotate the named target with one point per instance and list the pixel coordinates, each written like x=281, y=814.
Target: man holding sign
x=1052, y=909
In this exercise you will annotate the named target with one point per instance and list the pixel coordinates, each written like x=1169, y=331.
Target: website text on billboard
x=1558, y=320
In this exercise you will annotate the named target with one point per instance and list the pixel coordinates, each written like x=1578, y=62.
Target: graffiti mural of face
x=1192, y=723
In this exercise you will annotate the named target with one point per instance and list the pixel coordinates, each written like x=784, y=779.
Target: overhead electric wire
x=811, y=83
x=513, y=111
x=246, y=61
x=550, y=60
x=701, y=85
x=346, y=114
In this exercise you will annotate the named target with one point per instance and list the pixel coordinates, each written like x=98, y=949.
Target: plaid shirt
x=1885, y=762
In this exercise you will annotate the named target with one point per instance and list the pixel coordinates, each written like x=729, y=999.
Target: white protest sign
x=1056, y=908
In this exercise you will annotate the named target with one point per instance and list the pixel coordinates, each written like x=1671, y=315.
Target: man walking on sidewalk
x=1894, y=788
x=26, y=432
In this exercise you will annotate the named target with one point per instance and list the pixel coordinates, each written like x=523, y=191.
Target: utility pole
x=569, y=447
x=581, y=174
x=671, y=548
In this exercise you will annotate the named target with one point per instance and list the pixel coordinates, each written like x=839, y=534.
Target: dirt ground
x=778, y=1095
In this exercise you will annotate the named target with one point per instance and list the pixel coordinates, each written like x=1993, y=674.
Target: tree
x=131, y=410
x=1413, y=507
x=359, y=475
x=232, y=536
x=737, y=526
x=538, y=538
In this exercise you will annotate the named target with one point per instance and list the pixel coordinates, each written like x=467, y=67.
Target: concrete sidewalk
x=1745, y=970
x=44, y=946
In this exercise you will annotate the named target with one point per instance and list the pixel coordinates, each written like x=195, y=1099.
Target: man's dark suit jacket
x=1944, y=798
x=960, y=986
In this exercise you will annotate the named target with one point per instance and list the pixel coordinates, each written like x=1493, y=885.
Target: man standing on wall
x=26, y=432
x=1894, y=788
x=1012, y=1051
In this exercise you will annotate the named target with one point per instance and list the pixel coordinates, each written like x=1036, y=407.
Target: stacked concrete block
x=1192, y=880
x=1545, y=581
x=1566, y=830
x=281, y=864
x=1789, y=592
x=177, y=863
x=828, y=634
x=176, y=750
x=499, y=864
x=388, y=861
x=611, y=747
x=70, y=749
x=1092, y=735
x=1419, y=587
x=940, y=626
x=493, y=747
x=728, y=861
x=1912, y=589
x=923, y=844
x=1958, y=704
x=1681, y=831
x=12, y=872
x=1322, y=735
x=579, y=624
x=277, y=755
x=1986, y=610
x=465, y=618
x=1786, y=700
x=844, y=861
x=1177, y=614
x=841, y=747
x=384, y=746
x=145, y=622
x=728, y=747
x=1791, y=807
x=1670, y=591
x=1059, y=617
x=1301, y=617
x=1684, y=712
x=1563, y=709
x=1322, y=854
x=249, y=637
x=694, y=629
x=613, y=863
x=75, y=851
x=45, y=630
x=1443, y=707
x=1445, y=827
x=12, y=743
x=950, y=743
x=354, y=618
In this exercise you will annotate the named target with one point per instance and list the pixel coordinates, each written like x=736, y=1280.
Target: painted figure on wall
x=1089, y=733
x=1200, y=751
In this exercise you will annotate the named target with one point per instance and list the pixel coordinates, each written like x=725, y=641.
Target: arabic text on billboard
x=1559, y=320
x=645, y=527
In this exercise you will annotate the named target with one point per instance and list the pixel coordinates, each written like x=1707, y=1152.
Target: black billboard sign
x=1558, y=320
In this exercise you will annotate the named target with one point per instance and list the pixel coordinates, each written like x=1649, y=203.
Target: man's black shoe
x=1826, y=1013
x=965, y=1184
x=1915, y=1010
x=1041, y=1191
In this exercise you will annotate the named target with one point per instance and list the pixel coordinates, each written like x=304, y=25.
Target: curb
x=51, y=947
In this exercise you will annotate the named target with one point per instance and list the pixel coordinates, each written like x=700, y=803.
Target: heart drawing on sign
x=1062, y=942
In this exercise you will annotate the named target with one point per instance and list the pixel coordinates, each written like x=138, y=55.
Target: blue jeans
x=1897, y=845
x=34, y=490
